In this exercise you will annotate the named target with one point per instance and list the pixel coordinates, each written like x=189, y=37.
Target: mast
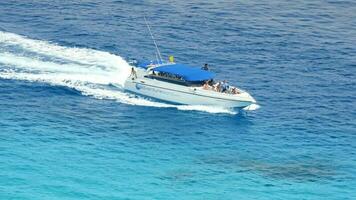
x=158, y=53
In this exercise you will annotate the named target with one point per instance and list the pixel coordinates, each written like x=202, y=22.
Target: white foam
x=82, y=59
x=36, y=64
x=80, y=55
x=89, y=71
x=252, y=107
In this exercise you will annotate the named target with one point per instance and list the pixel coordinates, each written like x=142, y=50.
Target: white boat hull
x=181, y=94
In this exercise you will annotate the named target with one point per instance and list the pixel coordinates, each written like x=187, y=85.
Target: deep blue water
x=66, y=133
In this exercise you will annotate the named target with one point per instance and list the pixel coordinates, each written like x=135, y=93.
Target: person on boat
x=205, y=67
x=235, y=91
x=217, y=86
x=133, y=73
x=206, y=85
x=211, y=82
x=224, y=86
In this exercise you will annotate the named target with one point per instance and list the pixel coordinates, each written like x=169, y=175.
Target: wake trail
x=89, y=71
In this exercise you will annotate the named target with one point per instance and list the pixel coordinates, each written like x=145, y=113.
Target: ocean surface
x=67, y=133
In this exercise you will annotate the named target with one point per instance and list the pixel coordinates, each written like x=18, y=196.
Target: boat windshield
x=173, y=78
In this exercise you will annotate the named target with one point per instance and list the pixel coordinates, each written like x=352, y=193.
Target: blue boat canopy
x=186, y=72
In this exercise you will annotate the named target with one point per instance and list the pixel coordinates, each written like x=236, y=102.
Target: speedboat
x=183, y=84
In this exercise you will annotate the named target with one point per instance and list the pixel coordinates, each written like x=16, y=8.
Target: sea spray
x=89, y=71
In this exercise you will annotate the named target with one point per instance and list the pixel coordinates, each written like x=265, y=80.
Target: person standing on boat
x=205, y=67
x=133, y=73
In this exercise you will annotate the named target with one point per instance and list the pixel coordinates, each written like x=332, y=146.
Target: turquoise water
x=67, y=133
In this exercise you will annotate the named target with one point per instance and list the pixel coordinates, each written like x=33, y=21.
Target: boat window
x=172, y=78
x=166, y=79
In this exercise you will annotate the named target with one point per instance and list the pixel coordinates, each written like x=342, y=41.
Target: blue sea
x=67, y=133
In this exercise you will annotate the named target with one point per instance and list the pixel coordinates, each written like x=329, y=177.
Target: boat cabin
x=181, y=74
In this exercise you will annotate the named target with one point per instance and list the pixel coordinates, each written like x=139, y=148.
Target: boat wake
x=88, y=71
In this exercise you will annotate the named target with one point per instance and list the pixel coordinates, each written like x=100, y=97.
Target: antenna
x=158, y=54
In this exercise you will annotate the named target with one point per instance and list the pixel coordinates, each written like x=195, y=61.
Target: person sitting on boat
x=235, y=91
x=224, y=86
x=217, y=86
x=133, y=73
x=211, y=82
x=206, y=85
x=205, y=67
